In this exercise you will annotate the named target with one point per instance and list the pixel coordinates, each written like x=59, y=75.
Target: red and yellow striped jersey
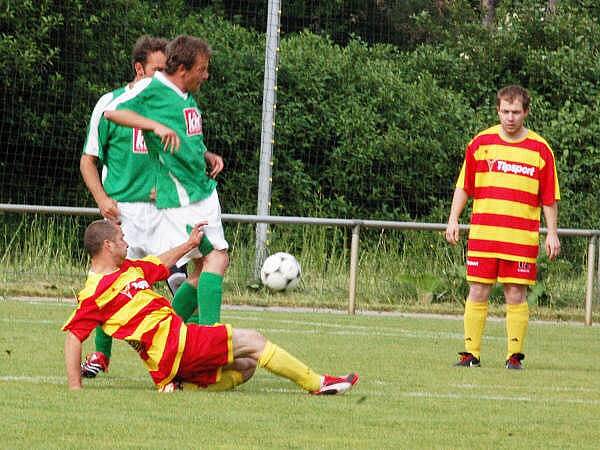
x=125, y=306
x=509, y=182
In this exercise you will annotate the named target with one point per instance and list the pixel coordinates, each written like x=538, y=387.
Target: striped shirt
x=125, y=306
x=509, y=182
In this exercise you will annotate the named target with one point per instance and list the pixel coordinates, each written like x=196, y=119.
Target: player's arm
x=459, y=201
x=131, y=119
x=170, y=257
x=552, y=241
x=215, y=162
x=91, y=178
x=73, y=361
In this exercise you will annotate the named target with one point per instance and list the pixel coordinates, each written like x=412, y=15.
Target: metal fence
x=593, y=255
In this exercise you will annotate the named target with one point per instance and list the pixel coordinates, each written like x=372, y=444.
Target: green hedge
x=368, y=131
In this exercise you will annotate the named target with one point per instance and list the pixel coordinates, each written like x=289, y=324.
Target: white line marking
x=378, y=393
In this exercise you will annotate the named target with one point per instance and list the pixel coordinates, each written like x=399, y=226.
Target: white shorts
x=140, y=222
x=174, y=222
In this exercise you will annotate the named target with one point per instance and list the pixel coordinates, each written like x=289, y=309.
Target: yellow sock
x=278, y=361
x=517, y=320
x=474, y=322
x=229, y=379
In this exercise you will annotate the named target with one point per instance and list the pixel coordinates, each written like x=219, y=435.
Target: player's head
x=188, y=58
x=513, y=93
x=105, y=236
x=512, y=105
x=148, y=56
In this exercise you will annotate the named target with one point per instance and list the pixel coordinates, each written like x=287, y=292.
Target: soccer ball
x=280, y=271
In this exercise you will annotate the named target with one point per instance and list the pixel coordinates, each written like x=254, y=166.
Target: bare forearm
x=170, y=257
x=459, y=201
x=551, y=216
x=73, y=361
x=91, y=178
x=131, y=119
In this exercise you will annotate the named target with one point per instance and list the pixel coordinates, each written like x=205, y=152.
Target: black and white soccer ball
x=280, y=271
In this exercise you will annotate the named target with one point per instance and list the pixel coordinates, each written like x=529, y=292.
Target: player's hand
x=552, y=245
x=197, y=233
x=168, y=137
x=109, y=210
x=452, y=232
x=215, y=162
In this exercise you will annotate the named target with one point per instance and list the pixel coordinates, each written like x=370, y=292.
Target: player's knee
x=216, y=261
x=515, y=294
x=248, y=343
x=479, y=292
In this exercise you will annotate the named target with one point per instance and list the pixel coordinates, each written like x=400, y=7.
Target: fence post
x=263, y=207
x=353, y=268
x=589, y=289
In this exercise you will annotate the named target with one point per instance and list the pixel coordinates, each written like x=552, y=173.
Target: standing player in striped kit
x=510, y=173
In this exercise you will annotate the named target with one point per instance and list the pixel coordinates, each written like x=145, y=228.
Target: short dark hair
x=96, y=233
x=183, y=50
x=511, y=93
x=146, y=45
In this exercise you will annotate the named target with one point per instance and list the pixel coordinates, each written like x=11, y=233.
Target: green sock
x=210, y=292
x=103, y=342
x=205, y=246
x=184, y=303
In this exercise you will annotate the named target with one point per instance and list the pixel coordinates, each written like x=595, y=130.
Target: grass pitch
x=409, y=395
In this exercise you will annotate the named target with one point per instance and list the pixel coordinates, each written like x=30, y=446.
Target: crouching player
x=118, y=296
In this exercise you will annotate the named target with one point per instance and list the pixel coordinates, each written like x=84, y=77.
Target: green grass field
x=409, y=395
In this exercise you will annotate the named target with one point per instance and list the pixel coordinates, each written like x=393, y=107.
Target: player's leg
x=516, y=276
x=185, y=301
x=210, y=287
x=481, y=275
x=215, y=261
x=251, y=344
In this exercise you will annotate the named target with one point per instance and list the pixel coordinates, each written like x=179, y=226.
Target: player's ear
x=139, y=69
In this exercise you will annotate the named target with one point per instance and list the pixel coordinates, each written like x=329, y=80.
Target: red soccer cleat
x=336, y=385
x=94, y=363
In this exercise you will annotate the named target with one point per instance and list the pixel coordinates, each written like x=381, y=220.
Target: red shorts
x=490, y=270
x=207, y=349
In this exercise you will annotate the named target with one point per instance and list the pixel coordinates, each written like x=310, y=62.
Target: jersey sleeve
x=85, y=318
x=466, y=178
x=549, y=189
x=154, y=270
x=95, y=139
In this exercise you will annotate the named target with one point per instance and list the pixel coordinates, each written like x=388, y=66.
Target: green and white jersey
x=181, y=177
x=128, y=174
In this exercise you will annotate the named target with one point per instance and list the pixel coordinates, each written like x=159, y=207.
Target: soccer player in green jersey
x=185, y=186
x=126, y=192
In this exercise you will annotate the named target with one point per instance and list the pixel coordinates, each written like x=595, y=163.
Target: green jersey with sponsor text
x=181, y=176
x=128, y=174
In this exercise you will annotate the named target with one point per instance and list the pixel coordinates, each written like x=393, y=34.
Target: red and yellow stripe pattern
x=124, y=304
x=509, y=182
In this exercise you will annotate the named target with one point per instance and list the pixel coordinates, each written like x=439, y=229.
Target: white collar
x=164, y=80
